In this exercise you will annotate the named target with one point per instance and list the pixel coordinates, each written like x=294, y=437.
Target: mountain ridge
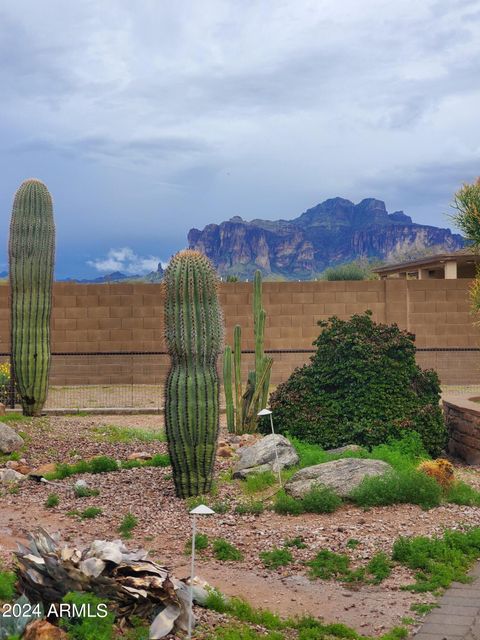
x=332, y=232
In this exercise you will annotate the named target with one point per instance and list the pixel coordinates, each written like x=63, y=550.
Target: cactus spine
x=194, y=336
x=243, y=417
x=31, y=257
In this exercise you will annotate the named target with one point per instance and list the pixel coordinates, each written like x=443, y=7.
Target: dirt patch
x=164, y=526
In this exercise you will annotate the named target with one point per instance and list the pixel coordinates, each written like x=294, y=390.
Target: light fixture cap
x=264, y=412
x=202, y=510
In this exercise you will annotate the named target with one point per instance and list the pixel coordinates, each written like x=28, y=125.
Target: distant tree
x=467, y=218
x=360, y=269
x=232, y=278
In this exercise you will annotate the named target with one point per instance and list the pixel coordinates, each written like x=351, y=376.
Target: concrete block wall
x=129, y=318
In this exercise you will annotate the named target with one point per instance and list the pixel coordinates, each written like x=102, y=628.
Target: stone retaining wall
x=462, y=416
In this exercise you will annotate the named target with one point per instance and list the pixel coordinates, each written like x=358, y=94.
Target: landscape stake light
x=201, y=510
x=267, y=412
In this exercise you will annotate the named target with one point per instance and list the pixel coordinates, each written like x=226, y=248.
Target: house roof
x=467, y=254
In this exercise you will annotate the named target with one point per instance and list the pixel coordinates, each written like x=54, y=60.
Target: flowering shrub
x=4, y=381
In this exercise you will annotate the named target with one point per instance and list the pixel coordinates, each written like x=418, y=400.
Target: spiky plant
x=242, y=418
x=31, y=257
x=194, y=336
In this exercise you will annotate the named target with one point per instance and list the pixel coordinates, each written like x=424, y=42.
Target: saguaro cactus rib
x=194, y=335
x=31, y=258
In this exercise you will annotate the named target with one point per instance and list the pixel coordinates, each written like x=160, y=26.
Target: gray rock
x=261, y=456
x=348, y=447
x=9, y=439
x=342, y=476
x=9, y=476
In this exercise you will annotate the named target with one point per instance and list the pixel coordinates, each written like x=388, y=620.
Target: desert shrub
x=223, y=550
x=362, y=386
x=440, y=470
x=103, y=464
x=81, y=491
x=398, y=487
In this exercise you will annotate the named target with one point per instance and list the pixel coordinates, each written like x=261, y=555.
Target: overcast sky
x=146, y=118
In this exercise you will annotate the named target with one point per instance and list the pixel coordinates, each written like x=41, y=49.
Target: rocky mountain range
x=333, y=232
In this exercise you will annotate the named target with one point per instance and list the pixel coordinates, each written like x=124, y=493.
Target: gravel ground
x=164, y=526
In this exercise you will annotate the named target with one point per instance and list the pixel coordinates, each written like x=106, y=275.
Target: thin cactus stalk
x=237, y=361
x=227, y=382
x=254, y=397
x=194, y=336
x=31, y=264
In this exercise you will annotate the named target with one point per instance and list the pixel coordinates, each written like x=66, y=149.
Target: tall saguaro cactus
x=243, y=417
x=31, y=257
x=194, y=335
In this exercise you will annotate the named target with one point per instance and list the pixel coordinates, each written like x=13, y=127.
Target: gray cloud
x=162, y=116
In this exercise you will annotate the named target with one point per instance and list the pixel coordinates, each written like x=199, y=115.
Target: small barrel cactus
x=31, y=257
x=194, y=336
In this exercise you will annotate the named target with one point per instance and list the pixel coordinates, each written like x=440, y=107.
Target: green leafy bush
x=223, y=550
x=379, y=567
x=297, y=542
x=90, y=512
x=349, y=271
x=362, y=386
x=398, y=487
x=85, y=492
x=462, y=493
x=328, y=564
x=276, y=558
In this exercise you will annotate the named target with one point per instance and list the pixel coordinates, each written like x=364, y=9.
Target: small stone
x=10, y=476
x=263, y=455
x=9, y=439
x=44, y=469
x=43, y=630
x=225, y=452
x=140, y=455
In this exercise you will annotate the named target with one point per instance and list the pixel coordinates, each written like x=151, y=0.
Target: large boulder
x=261, y=456
x=342, y=476
x=9, y=439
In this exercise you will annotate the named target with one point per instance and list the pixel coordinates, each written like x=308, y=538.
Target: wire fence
x=135, y=380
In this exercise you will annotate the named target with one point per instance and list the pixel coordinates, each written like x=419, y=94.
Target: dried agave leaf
x=164, y=622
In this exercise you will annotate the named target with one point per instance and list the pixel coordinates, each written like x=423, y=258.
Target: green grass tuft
x=127, y=525
x=438, y=561
x=85, y=492
x=295, y=542
x=90, y=512
x=398, y=487
x=276, y=558
x=7, y=585
x=254, y=507
x=462, y=493
x=201, y=543
x=328, y=564
x=259, y=481
x=317, y=500
x=52, y=500
x=224, y=550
